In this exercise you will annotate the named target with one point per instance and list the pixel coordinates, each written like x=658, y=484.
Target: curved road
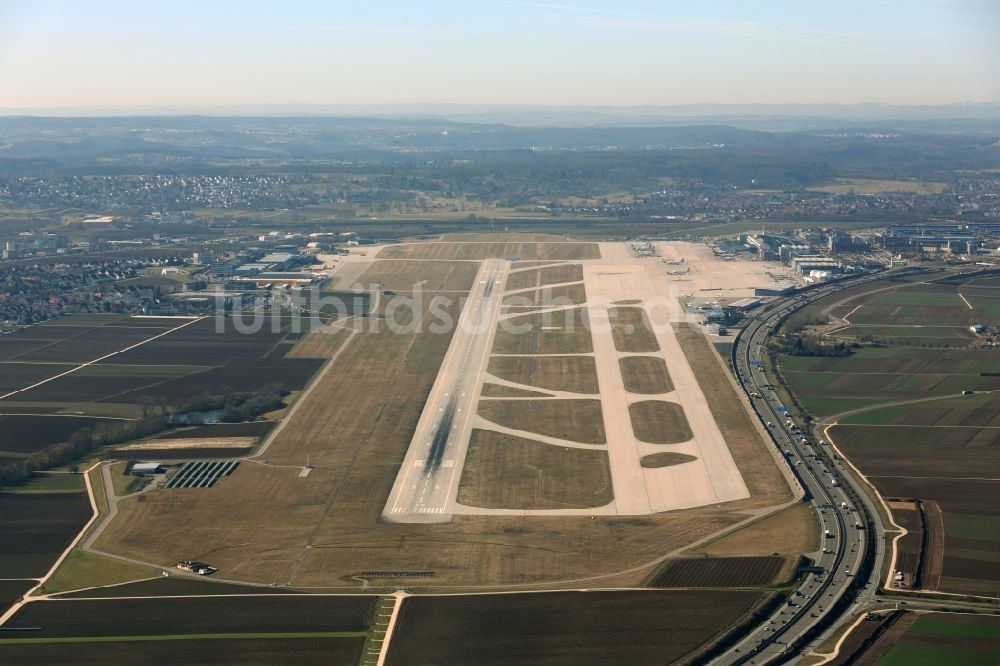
x=826, y=596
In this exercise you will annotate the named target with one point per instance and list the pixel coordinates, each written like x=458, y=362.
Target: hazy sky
x=141, y=52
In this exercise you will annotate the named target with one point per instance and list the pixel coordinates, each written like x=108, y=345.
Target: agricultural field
x=194, y=615
x=902, y=417
x=11, y=592
x=918, y=639
x=27, y=434
x=909, y=548
x=719, y=572
x=476, y=251
x=641, y=627
x=940, y=453
x=875, y=375
x=506, y=472
x=576, y=374
x=270, y=648
x=36, y=526
x=84, y=374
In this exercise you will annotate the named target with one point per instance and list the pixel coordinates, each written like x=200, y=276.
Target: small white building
x=146, y=469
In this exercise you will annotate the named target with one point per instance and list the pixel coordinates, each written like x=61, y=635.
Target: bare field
x=791, y=531
x=645, y=374
x=659, y=422
x=542, y=276
x=560, y=332
x=750, y=571
x=609, y=628
x=573, y=420
x=478, y=251
x=505, y=472
x=631, y=330
x=577, y=374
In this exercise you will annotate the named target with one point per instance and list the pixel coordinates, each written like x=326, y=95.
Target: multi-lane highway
x=852, y=540
x=427, y=483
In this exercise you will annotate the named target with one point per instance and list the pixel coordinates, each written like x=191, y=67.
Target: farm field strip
x=101, y=358
x=629, y=627
x=904, y=417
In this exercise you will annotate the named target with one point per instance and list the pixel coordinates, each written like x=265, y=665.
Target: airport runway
x=427, y=484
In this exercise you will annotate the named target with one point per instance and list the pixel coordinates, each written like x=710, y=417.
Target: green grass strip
x=988, y=629
x=923, y=655
x=181, y=637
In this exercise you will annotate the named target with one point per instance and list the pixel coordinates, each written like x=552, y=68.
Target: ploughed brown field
x=290, y=650
x=628, y=628
x=719, y=572
x=193, y=615
x=946, y=467
x=36, y=527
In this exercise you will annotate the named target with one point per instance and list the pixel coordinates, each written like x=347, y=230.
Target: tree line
x=235, y=406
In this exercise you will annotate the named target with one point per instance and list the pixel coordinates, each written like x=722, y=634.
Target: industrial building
x=146, y=469
x=776, y=289
x=804, y=265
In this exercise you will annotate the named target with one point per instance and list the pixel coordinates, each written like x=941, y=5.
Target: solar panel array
x=201, y=474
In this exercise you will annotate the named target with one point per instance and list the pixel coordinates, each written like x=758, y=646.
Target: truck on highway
x=828, y=534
